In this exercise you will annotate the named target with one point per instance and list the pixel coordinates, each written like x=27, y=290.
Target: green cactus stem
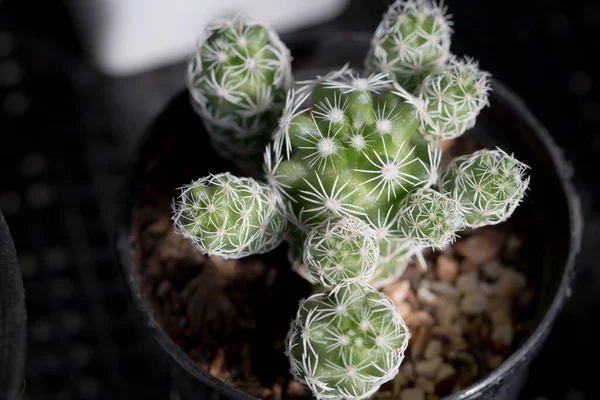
x=237, y=80
x=488, y=184
x=411, y=42
x=341, y=250
x=346, y=343
x=229, y=216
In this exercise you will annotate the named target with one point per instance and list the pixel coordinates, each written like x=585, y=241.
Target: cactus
x=341, y=250
x=347, y=342
x=356, y=153
x=411, y=42
x=237, y=80
x=451, y=100
x=488, y=184
x=353, y=179
x=230, y=216
x=430, y=219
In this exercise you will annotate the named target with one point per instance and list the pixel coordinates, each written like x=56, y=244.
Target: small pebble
x=468, y=282
x=397, y=291
x=405, y=310
x=428, y=368
x=415, y=393
x=446, y=313
x=492, y=269
x=444, y=289
x=481, y=247
x=446, y=268
x=427, y=385
x=503, y=334
x=510, y=283
x=446, y=370
x=433, y=349
x=426, y=296
x=473, y=303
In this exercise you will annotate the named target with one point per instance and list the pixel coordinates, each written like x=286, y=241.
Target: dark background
x=68, y=131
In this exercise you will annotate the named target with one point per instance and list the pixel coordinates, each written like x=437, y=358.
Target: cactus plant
x=489, y=184
x=341, y=250
x=353, y=179
x=237, y=79
x=411, y=42
x=229, y=216
x=347, y=342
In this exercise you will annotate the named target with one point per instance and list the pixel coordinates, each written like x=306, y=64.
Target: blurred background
x=81, y=79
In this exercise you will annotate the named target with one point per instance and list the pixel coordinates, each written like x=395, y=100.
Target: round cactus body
x=347, y=342
x=229, y=216
x=488, y=184
x=353, y=150
x=411, y=42
x=430, y=219
x=237, y=80
x=341, y=250
x=451, y=100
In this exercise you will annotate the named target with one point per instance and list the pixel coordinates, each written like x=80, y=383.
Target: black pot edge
x=13, y=324
x=514, y=361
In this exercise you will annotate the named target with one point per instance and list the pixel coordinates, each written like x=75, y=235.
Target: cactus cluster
x=353, y=180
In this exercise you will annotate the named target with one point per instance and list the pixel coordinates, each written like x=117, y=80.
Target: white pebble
x=473, y=303
x=467, y=282
x=492, y=269
x=433, y=349
x=444, y=289
x=503, y=333
x=447, y=268
x=428, y=368
x=415, y=393
x=426, y=296
x=445, y=371
x=397, y=291
x=425, y=384
x=446, y=313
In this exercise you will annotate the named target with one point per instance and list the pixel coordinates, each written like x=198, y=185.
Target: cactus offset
x=488, y=184
x=229, y=216
x=411, y=42
x=347, y=342
x=341, y=250
x=237, y=79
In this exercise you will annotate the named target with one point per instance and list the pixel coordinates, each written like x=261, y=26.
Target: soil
x=467, y=312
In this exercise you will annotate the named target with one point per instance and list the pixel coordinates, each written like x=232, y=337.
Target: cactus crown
x=353, y=179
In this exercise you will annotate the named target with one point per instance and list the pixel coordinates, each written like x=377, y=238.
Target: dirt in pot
x=231, y=316
x=467, y=312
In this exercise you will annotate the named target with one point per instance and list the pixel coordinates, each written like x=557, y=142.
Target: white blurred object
x=130, y=36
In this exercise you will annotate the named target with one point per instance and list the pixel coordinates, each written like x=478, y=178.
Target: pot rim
x=564, y=172
x=13, y=319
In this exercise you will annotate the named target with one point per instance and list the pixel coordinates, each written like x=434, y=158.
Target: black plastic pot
x=12, y=318
x=175, y=150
